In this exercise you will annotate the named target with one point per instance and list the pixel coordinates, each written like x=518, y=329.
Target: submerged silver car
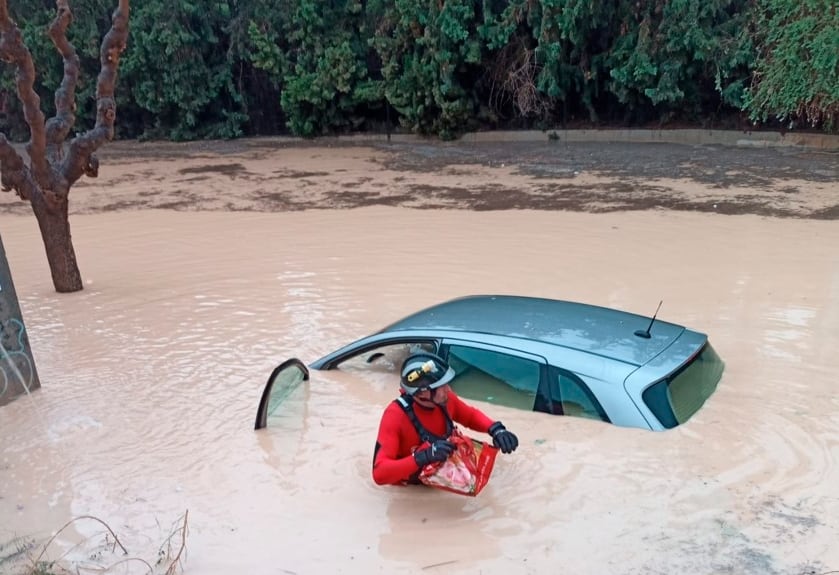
x=557, y=357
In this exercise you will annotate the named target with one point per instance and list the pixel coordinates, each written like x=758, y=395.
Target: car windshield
x=676, y=398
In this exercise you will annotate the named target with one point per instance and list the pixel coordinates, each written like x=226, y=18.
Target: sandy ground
x=279, y=175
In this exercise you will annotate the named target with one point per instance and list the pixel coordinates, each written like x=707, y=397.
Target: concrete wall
x=687, y=136
x=736, y=138
x=17, y=367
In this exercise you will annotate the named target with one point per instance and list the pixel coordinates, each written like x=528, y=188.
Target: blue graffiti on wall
x=15, y=363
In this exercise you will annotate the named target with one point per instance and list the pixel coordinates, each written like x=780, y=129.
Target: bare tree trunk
x=54, y=224
x=51, y=172
x=51, y=211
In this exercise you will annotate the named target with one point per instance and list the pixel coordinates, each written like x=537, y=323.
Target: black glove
x=504, y=440
x=437, y=451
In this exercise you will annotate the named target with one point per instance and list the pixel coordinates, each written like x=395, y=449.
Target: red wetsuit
x=393, y=460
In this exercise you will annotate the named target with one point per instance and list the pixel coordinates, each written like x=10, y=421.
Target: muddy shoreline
x=277, y=175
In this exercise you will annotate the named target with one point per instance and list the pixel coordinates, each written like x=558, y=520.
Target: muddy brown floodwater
x=207, y=265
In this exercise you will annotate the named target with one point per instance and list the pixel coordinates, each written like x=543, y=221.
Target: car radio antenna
x=645, y=333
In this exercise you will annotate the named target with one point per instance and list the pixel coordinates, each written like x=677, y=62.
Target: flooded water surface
x=151, y=378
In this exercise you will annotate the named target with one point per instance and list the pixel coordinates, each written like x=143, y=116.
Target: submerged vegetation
x=96, y=554
x=226, y=68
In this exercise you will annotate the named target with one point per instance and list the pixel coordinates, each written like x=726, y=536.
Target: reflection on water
x=151, y=379
x=788, y=332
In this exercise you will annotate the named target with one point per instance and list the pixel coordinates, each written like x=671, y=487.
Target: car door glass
x=279, y=391
x=575, y=398
x=494, y=377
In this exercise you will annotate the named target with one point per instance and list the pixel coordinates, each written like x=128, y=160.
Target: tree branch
x=14, y=51
x=184, y=531
x=65, y=96
x=80, y=160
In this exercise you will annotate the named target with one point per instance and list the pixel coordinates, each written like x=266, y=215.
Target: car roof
x=589, y=328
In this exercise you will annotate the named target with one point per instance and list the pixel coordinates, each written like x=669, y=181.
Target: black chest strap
x=407, y=405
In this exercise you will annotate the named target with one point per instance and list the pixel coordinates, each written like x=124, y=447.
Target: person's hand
x=504, y=440
x=437, y=451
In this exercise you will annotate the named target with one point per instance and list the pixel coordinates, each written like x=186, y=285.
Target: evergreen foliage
x=224, y=68
x=178, y=71
x=796, y=78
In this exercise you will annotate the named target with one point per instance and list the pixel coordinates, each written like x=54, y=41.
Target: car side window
x=571, y=396
x=387, y=357
x=494, y=377
x=379, y=364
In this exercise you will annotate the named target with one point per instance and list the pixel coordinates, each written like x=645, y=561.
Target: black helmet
x=424, y=371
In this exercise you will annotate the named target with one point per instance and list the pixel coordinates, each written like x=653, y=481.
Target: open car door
x=285, y=378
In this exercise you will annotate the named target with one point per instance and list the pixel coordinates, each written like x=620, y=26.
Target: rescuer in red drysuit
x=424, y=412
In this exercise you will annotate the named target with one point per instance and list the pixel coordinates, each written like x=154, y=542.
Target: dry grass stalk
x=51, y=539
x=182, y=529
x=175, y=560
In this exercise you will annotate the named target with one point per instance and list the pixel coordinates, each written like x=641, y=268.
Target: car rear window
x=676, y=398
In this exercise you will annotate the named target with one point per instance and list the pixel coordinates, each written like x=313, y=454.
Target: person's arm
x=476, y=419
x=465, y=414
x=388, y=469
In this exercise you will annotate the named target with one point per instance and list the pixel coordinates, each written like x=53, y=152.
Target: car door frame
x=261, y=420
